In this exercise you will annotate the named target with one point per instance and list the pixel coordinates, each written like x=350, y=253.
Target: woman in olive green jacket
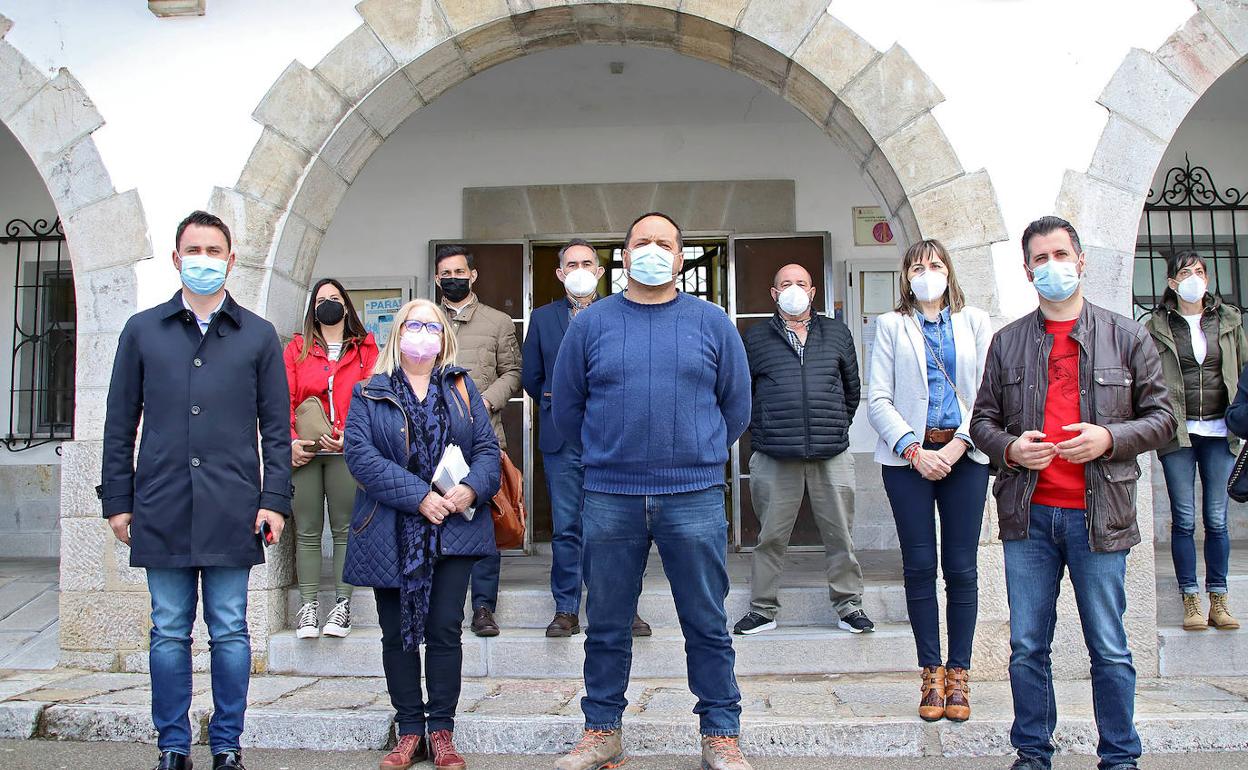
x=1203, y=349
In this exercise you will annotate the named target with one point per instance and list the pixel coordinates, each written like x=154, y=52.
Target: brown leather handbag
x=508, y=504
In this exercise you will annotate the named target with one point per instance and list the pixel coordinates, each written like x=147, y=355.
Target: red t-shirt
x=1063, y=483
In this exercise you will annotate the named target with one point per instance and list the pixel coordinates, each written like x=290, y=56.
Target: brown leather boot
x=411, y=749
x=932, y=705
x=443, y=752
x=957, y=694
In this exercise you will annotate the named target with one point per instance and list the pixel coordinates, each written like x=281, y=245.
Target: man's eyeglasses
x=414, y=326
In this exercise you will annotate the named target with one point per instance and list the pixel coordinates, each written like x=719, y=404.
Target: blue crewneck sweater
x=653, y=394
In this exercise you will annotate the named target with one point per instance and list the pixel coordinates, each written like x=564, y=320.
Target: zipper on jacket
x=801, y=364
x=1030, y=488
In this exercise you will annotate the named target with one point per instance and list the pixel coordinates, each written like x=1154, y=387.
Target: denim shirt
x=943, y=410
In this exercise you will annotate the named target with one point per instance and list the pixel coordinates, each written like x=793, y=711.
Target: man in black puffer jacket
x=806, y=390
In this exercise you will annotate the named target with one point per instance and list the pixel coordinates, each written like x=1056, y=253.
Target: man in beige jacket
x=489, y=351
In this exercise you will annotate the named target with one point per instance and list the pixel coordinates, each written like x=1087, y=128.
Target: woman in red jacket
x=334, y=352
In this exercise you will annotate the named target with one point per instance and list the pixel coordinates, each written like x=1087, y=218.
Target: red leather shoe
x=411, y=749
x=445, y=757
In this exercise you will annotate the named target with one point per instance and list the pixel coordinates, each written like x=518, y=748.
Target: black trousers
x=444, y=655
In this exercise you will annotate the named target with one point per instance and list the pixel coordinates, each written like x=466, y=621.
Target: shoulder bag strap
x=941, y=364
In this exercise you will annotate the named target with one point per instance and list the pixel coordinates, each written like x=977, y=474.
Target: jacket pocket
x=360, y=523
x=1111, y=388
x=1120, y=479
x=1012, y=394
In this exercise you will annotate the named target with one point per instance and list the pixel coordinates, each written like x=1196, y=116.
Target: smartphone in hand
x=266, y=533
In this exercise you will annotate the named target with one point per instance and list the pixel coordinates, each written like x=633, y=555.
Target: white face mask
x=930, y=286
x=580, y=282
x=794, y=300
x=1192, y=288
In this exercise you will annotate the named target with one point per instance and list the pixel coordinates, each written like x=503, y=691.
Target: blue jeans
x=485, y=582
x=1213, y=458
x=1057, y=538
x=565, y=480
x=174, y=592
x=691, y=531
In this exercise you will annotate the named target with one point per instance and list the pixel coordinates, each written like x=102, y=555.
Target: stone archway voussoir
x=109, y=233
x=834, y=53
x=301, y=106
x=890, y=92
x=725, y=12
x=1197, y=53
x=463, y=15
x=920, y=155
x=1146, y=92
x=55, y=117
x=252, y=222
x=1105, y=216
x=407, y=28
x=357, y=64
x=1231, y=19
x=960, y=213
x=783, y=26
x=19, y=79
x=273, y=171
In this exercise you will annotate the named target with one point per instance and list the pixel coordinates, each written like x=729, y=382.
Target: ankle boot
x=932, y=706
x=1220, y=616
x=957, y=694
x=1193, y=616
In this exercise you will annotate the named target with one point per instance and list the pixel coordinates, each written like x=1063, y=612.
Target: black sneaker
x=228, y=760
x=1028, y=763
x=753, y=623
x=856, y=622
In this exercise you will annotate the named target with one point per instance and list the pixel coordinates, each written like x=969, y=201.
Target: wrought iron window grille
x=42, y=360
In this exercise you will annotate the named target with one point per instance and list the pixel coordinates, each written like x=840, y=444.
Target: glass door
x=752, y=264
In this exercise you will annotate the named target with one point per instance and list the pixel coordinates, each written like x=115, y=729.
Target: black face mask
x=454, y=289
x=330, y=312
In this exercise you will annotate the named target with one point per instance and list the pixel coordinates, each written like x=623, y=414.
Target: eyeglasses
x=414, y=326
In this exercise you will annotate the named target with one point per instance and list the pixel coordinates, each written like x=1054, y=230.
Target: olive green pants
x=325, y=479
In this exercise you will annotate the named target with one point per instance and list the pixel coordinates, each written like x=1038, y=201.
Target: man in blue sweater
x=653, y=386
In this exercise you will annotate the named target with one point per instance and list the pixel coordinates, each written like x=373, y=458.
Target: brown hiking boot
x=597, y=750
x=411, y=749
x=957, y=694
x=723, y=752
x=483, y=622
x=442, y=747
x=1193, y=616
x=641, y=627
x=564, y=624
x=932, y=705
x=1220, y=616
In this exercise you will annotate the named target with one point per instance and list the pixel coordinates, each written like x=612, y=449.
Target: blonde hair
x=391, y=357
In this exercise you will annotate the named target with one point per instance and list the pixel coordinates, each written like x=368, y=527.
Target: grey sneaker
x=597, y=750
x=339, y=621
x=723, y=752
x=306, y=626
x=856, y=622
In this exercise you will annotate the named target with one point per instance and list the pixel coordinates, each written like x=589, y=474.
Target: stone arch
x=322, y=124
x=106, y=233
x=1147, y=99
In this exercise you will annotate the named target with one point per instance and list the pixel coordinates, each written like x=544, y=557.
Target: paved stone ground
x=28, y=613
x=863, y=715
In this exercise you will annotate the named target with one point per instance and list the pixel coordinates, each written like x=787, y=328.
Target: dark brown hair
x=680, y=236
x=353, y=332
x=203, y=219
x=1176, y=262
x=927, y=250
x=1044, y=226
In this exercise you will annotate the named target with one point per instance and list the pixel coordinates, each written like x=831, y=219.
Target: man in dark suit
x=207, y=379
x=580, y=273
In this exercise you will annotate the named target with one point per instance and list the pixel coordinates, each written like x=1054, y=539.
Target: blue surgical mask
x=203, y=274
x=651, y=265
x=1056, y=281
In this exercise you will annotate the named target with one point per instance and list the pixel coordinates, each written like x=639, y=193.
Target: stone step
x=1170, y=601
x=528, y=654
x=532, y=608
x=1202, y=653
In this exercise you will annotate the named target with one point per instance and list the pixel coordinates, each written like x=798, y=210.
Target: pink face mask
x=420, y=346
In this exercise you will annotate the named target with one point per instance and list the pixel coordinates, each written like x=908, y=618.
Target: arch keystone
x=407, y=28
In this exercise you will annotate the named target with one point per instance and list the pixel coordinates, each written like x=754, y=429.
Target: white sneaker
x=306, y=621
x=339, y=621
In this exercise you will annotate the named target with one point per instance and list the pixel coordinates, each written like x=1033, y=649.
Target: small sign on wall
x=871, y=227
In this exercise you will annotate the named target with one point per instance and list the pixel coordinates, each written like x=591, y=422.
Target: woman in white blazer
x=925, y=371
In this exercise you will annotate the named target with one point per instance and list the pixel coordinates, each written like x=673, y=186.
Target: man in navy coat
x=579, y=272
x=207, y=380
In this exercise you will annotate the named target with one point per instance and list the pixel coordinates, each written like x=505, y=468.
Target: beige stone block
x=467, y=14
x=598, y=23
x=486, y=46
x=77, y=177
x=725, y=12
x=905, y=219
x=845, y=128
x=302, y=106
x=1146, y=92
x=960, y=213
x=357, y=64
x=527, y=6
x=246, y=285
x=266, y=615
x=834, y=53
x=881, y=176
x=278, y=570
x=763, y=206
x=89, y=661
x=760, y=62
x=1198, y=53
x=497, y=212
x=782, y=26
x=390, y=104
x=273, y=171
x=626, y=201
x=586, y=208
x=1108, y=277
x=89, y=411
x=648, y=25
x=284, y=307
x=104, y=621
x=19, y=80
x=550, y=214
x=93, y=354
x=80, y=472
x=319, y=195
x=252, y=223
x=1126, y=156
x=921, y=155
x=709, y=208
x=1231, y=19
x=437, y=71
x=990, y=657
x=52, y=119
x=1104, y=215
x=705, y=40
x=977, y=277
x=806, y=92
x=676, y=200
x=350, y=146
x=994, y=604
x=407, y=28
x=121, y=576
x=83, y=545
x=891, y=92
x=298, y=248
x=551, y=28
x=111, y=232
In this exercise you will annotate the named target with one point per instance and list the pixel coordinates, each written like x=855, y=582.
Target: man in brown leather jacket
x=1071, y=395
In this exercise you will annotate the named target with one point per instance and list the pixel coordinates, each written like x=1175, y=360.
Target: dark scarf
x=418, y=538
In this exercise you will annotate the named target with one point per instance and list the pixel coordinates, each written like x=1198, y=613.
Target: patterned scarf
x=418, y=538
